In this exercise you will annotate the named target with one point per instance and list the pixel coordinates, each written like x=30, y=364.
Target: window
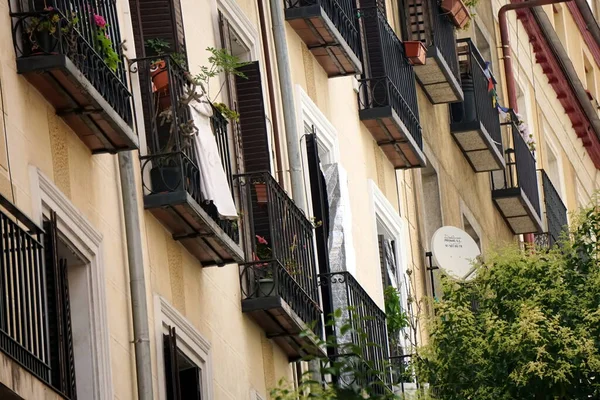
x=184, y=355
x=483, y=45
x=468, y=227
x=183, y=377
x=553, y=168
x=431, y=200
x=559, y=25
x=76, y=259
x=590, y=79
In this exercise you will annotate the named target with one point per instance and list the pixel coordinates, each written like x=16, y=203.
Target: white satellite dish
x=454, y=251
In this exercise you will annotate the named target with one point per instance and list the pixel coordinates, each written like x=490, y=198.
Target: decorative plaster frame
x=308, y=111
x=189, y=340
x=82, y=237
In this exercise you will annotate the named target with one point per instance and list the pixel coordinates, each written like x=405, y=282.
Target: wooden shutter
x=160, y=19
x=253, y=126
x=60, y=343
x=171, y=365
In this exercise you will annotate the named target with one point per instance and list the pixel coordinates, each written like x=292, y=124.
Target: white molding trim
x=307, y=111
x=189, y=340
x=240, y=23
x=87, y=241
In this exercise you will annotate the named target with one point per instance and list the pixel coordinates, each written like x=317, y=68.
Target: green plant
x=396, y=318
x=220, y=61
x=362, y=380
x=534, y=333
x=104, y=44
x=51, y=23
x=157, y=46
x=227, y=112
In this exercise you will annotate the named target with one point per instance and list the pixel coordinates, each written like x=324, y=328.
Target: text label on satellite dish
x=454, y=251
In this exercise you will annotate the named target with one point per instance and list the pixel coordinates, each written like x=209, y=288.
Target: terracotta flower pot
x=261, y=193
x=416, y=52
x=457, y=11
x=160, y=83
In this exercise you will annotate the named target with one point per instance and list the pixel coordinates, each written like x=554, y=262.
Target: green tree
x=527, y=327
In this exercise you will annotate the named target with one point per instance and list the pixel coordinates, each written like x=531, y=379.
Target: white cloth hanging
x=213, y=181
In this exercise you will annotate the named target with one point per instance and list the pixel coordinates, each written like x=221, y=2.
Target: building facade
x=308, y=176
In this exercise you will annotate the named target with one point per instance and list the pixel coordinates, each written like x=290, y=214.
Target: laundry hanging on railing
x=213, y=181
x=504, y=112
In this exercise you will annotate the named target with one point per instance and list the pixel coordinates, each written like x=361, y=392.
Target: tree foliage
x=527, y=327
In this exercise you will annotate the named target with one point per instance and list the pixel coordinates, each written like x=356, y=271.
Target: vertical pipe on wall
x=287, y=97
x=272, y=102
x=137, y=280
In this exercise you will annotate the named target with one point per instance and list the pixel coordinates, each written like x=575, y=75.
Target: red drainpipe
x=511, y=87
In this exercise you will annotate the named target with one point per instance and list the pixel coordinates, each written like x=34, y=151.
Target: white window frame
x=386, y=215
x=82, y=237
x=309, y=114
x=189, y=341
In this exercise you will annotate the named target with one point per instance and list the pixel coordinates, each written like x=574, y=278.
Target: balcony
x=515, y=189
x=330, y=30
x=368, y=332
x=387, y=93
x=475, y=123
x=171, y=175
x=279, y=287
x=556, y=214
x=427, y=23
x=59, y=53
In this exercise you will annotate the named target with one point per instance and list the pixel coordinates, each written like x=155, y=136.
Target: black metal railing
x=556, y=212
x=444, y=37
x=171, y=164
x=389, y=79
x=287, y=233
x=272, y=278
x=368, y=327
x=74, y=28
x=23, y=308
x=478, y=104
x=343, y=15
x=520, y=169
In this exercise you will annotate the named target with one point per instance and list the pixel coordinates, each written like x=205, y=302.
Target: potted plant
x=41, y=31
x=416, y=52
x=458, y=12
x=264, y=271
x=104, y=44
x=158, y=68
x=170, y=170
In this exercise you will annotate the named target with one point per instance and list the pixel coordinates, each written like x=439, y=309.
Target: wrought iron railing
x=556, y=212
x=478, y=104
x=343, y=15
x=520, y=169
x=368, y=328
x=287, y=233
x=171, y=164
x=23, y=311
x=72, y=28
x=389, y=79
x=444, y=37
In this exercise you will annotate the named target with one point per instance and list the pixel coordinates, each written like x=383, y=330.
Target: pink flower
x=49, y=8
x=99, y=21
x=261, y=240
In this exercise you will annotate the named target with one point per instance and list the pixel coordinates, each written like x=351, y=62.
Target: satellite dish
x=454, y=251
